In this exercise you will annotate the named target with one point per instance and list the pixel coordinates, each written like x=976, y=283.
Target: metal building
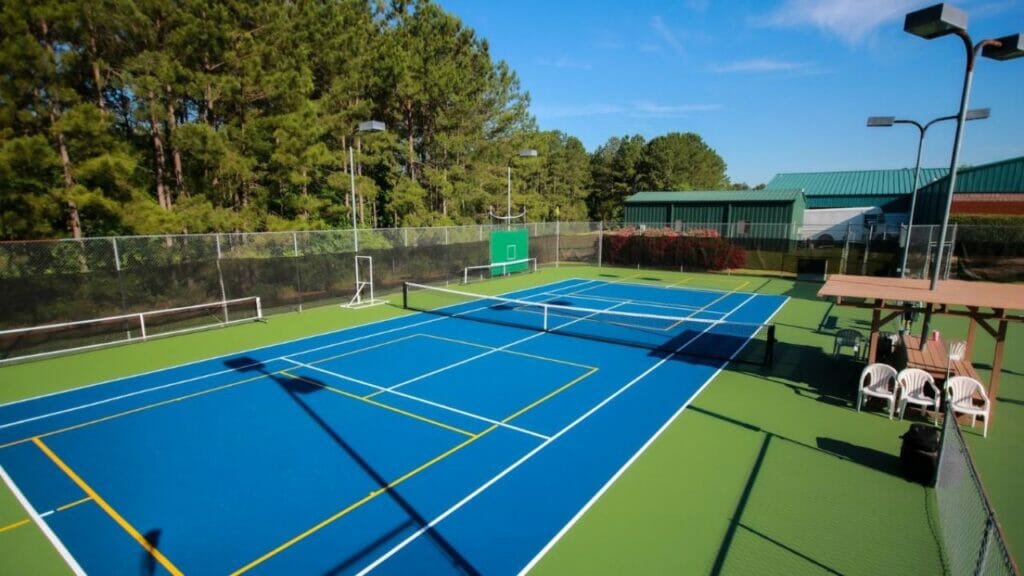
x=996, y=188
x=888, y=190
x=776, y=214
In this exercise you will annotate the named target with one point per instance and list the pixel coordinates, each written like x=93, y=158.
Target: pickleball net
x=716, y=340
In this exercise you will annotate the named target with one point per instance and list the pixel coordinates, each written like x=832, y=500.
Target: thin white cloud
x=850, y=20
x=566, y=63
x=698, y=5
x=648, y=47
x=570, y=111
x=638, y=109
x=655, y=110
x=761, y=65
x=666, y=34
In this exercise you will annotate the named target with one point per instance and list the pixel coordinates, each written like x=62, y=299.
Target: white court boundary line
x=667, y=287
x=422, y=400
x=397, y=548
x=43, y=526
x=219, y=372
x=597, y=495
x=495, y=350
x=248, y=350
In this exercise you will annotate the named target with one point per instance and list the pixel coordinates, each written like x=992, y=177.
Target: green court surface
x=769, y=471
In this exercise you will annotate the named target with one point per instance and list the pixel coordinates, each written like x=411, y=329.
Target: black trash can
x=919, y=454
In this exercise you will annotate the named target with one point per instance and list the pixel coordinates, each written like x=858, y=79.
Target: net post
x=259, y=309
x=405, y=295
x=545, y=308
x=465, y=275
x=142, y=325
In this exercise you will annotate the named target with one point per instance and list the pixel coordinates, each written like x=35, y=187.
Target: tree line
x=187, y=116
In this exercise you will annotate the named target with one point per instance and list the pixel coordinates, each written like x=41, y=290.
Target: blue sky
x=781, y=86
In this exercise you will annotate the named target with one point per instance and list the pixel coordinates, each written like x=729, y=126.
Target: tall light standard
x=509, y=217
x=941, y=20
x=368, y=126
x=887, y=121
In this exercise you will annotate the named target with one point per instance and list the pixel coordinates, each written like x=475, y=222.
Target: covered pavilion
x=987, y=304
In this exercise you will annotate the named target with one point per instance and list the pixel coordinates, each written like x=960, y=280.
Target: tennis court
x=462, y=439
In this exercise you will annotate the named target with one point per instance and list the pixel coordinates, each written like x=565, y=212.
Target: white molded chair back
x=913, y=384
x=877, y=381
x=961, y=392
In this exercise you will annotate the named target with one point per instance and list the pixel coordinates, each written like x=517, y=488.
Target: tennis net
x=46, y=340
x=712, y=339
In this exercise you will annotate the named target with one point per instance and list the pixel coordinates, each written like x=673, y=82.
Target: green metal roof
x=716, y=196
x=856, y=182
x=1006, y=176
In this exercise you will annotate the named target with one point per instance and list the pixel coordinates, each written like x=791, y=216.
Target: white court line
x=581, y=281
x=529, y=454
x=650, y=303
x=422, y=400
x=499, y=349
x=43, y=526
x=572, y=522
x=217, y=373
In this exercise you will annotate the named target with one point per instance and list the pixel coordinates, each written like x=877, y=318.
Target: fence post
x=405, y=236
x=220, y=274
x=558, y=241
x=867, y=249
x=846, y=250
x=600, y=242
x=298, y=269
x=952, y=247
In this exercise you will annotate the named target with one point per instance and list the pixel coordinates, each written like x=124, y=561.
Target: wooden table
x=932, y=359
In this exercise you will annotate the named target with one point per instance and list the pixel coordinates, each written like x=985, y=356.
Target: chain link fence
x=972, y=541
x=994, y=253
x=67, y=280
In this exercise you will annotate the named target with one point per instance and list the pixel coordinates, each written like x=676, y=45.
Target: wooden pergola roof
x=990, y=295
x=982, y=302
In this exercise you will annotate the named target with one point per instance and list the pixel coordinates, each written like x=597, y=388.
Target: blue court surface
x=433, y=443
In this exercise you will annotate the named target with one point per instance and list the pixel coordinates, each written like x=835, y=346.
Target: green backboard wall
x=507, y=246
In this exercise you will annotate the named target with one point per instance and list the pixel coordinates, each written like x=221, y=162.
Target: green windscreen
x=509, y=246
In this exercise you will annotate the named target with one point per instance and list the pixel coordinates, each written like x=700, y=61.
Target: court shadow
x=148, y=560
x=298, y=387
x=868, y=457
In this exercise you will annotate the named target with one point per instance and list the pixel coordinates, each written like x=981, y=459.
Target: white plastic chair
x=877, y=381
x=912, y=383
x=961, y=391
x=954, y=353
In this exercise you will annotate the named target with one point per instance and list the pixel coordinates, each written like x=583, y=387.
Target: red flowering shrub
x=702, y=249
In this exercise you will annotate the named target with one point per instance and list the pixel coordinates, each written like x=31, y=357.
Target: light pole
x=887, y=121
x=509, y=217
x=941, y=20
x=368, y=126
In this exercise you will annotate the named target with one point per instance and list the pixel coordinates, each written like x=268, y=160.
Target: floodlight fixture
x=1005, y=48
x=941, y=20
x=935, y=21
x=881, y=121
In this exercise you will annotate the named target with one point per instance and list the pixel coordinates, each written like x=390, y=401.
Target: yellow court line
x=58, y=509
x=348, y=509
x=508, y=351
x=167, y=564
x=73, y=504
x=380, y=405
x=683, y=281
x=548, y=396
x=134, y=410
x=741, y=286
x=14, y=525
